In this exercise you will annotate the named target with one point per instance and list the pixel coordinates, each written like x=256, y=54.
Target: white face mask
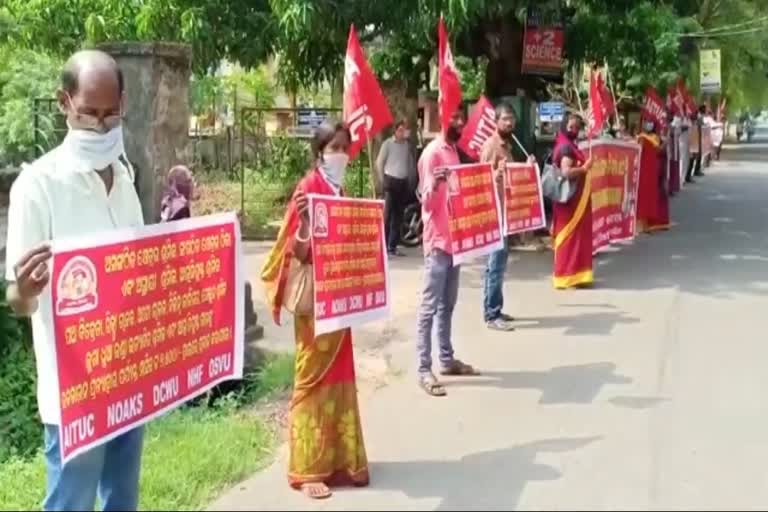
x=96, y=151
x=334, y=165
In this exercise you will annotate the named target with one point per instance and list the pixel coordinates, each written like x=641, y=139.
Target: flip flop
x=429, y=384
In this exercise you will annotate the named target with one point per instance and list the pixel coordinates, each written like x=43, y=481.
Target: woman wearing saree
x=652, y=198
x=178, y=195
x=326, y=441
x=572, y=221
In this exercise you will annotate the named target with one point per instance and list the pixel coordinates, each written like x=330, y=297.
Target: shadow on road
x=562, y=385
x=492, y=480
x=719, y=247
x=579, y=324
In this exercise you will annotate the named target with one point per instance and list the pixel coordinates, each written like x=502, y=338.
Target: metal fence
x=274, y=154
x=49, y=125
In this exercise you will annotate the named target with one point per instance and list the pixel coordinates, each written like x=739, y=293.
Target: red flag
x=480, y=126
x=448, y=78
x=670, y=100
x=365, y=108
x=721, y=109
x=596, y=105
x=678, y=100
x=653, y=107
x=609, y=108
x=688, y=101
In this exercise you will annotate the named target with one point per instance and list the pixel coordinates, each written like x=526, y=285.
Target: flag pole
x=613, y=93
x=520, y=146
x=369, y=144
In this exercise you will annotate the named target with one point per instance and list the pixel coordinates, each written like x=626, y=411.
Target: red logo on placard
x=77, y=287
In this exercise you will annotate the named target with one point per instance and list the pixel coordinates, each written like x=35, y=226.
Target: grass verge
x=190, y=455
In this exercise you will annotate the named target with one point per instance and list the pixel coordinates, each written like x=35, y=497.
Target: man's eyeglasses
x=91, y=122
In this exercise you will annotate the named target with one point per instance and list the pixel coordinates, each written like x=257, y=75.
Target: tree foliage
x=25, y=75
x=640, y=40
x=240, y=30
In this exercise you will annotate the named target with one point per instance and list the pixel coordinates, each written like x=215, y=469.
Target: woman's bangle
x=301, y=240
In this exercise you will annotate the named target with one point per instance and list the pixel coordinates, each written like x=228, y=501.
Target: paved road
x=648, y=392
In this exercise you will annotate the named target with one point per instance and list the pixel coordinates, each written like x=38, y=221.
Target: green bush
x=20, y=429
x=25, y=76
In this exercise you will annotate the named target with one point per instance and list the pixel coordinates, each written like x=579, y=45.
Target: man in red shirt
x=441, y=276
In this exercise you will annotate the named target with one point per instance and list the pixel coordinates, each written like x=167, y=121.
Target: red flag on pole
x=480, y=126
x=609, y=108
x=365, y=108
x=653, y=107
x=670, y=101
x=596, y=105
x=449, y=84
x=688, y=101
x=678, y=100
x=721, y=109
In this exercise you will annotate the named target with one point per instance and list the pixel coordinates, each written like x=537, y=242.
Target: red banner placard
x=543, y=48
x=144, y=320
x=476, y=227
x=350, y=263
x=614, y=176
x=524, y=202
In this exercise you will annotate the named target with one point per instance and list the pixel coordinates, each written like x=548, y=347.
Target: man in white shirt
x=80, y=187
x=396, y=165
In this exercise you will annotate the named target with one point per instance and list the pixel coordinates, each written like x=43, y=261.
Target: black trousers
x=395, y=201
x=694, y=166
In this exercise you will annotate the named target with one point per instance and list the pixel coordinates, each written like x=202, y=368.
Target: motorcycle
x=412, y=228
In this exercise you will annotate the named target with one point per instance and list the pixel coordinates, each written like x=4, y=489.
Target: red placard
x=543, y=48
x=144, y=320
x=524, y=202
x=476, y=227
x=350, y=263
x=614, y=179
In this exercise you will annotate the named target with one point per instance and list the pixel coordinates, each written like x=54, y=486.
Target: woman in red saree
x=326, y=440
x=572, y=221
x=652, y=198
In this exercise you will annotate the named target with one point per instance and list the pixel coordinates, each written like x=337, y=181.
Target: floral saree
x=325, y=434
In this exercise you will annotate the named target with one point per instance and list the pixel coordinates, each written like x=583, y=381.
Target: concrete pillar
x=157, y=113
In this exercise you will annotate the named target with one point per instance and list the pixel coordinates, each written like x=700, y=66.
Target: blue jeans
x=493, y=286
x=441, y=289
x=111, y=469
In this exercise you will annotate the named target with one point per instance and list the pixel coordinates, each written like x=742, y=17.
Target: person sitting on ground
x=180, y=188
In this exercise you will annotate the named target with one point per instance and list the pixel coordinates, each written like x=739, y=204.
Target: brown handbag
x=299, y=296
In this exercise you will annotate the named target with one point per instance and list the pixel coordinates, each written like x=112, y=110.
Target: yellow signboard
x=709, y=65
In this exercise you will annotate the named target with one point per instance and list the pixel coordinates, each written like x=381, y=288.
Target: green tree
x=25, y=75
x=241, y=30
x=740, y=29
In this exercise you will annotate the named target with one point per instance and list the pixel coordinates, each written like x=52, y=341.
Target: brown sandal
x=431, y=386
x=459, y=369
